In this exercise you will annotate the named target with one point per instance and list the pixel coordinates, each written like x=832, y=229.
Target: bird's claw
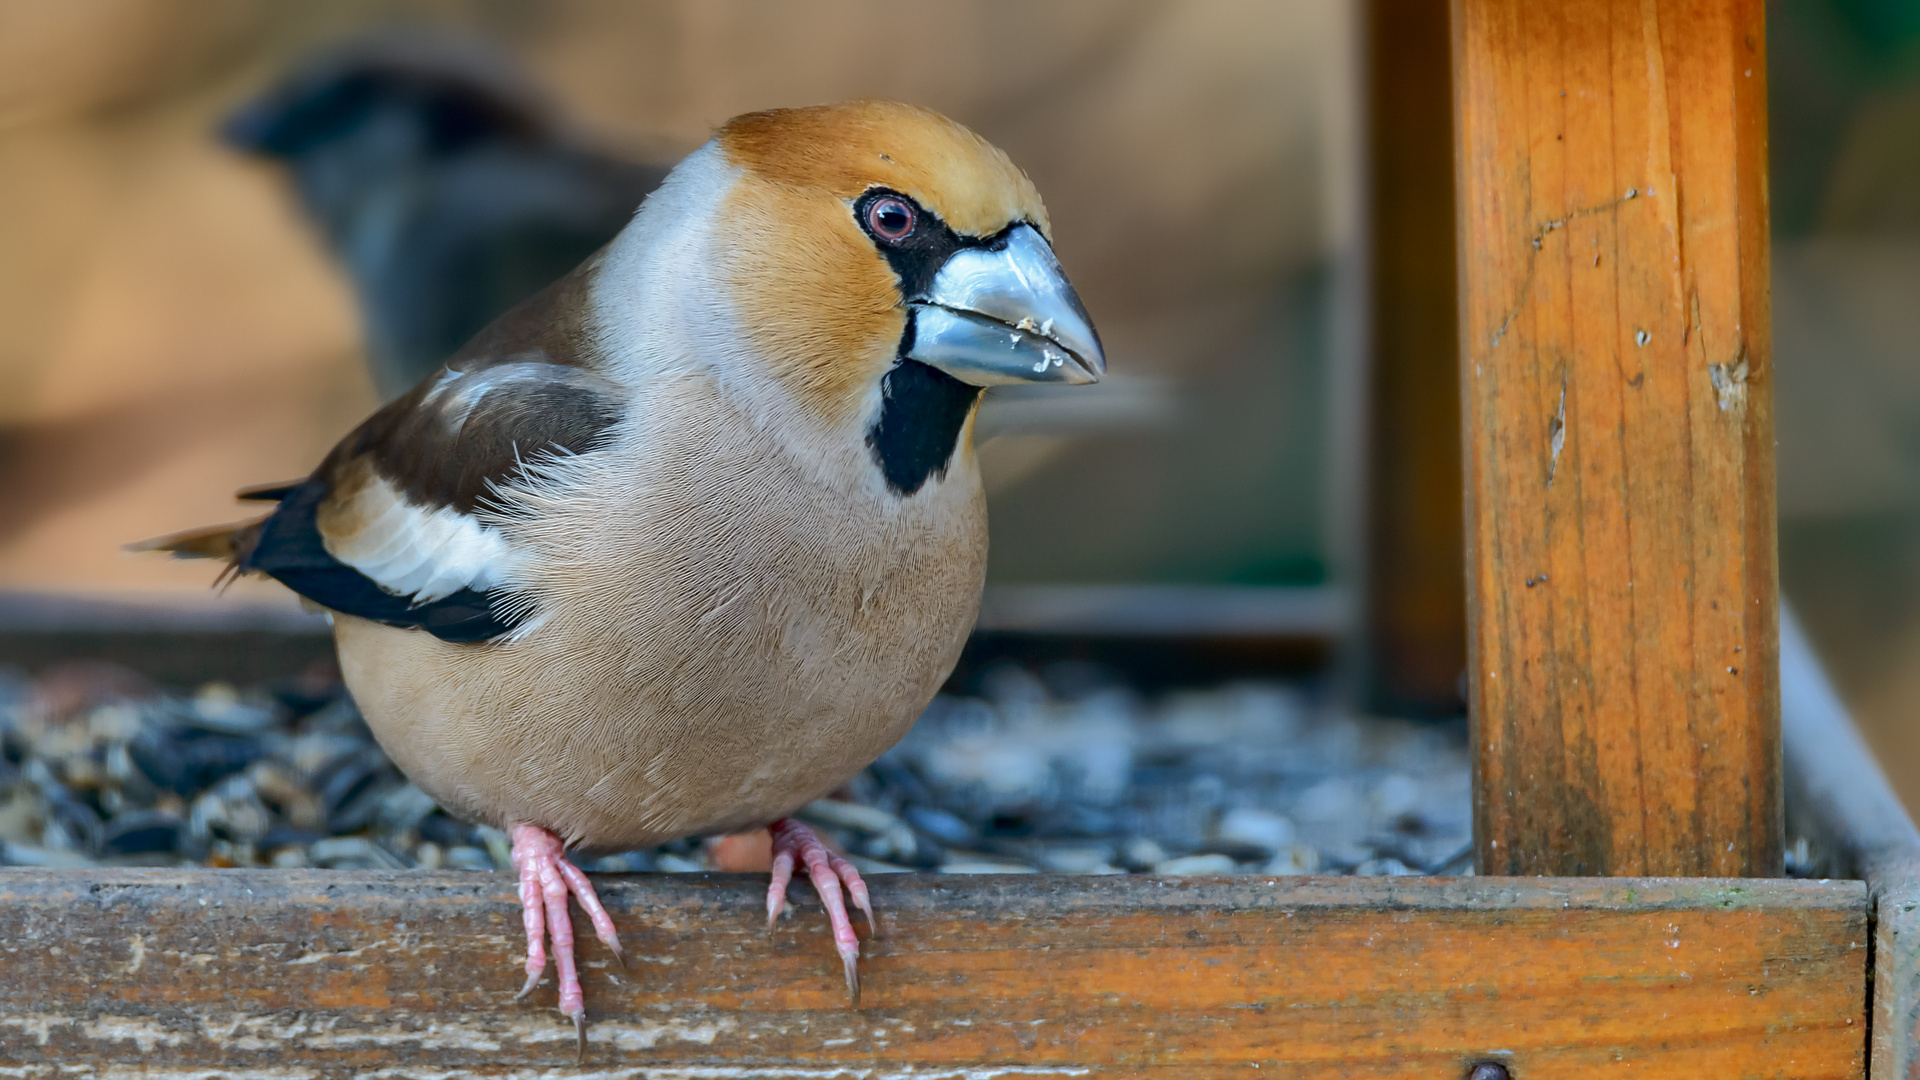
x=547, y=879
x=580, y=1037
x=861, y=901
x=834, y=878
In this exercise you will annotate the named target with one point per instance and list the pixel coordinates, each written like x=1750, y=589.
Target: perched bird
x=692, y=536
x=444, y=183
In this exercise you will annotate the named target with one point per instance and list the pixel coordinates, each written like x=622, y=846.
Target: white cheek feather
x=426, y=554
x=666, y=261
x=662, y=262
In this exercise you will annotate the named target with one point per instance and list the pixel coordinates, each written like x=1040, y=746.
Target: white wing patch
x=455, y=394
x=416, y=552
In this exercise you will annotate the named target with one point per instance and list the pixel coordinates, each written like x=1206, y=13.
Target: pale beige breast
x=724, y=637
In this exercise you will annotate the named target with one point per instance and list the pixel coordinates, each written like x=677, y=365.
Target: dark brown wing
x=392, y=526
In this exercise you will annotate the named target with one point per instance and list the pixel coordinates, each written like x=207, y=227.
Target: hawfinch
x=688, y=539
x=448, y=187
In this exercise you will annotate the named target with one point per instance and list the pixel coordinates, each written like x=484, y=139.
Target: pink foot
x=792, y=840
x=546, y=877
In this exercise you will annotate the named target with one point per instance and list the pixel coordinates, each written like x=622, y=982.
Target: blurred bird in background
x=445, y=183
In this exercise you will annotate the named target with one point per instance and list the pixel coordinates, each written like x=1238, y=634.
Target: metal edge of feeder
x=1165, y=610
x=1832, y=774
x=1158, y=634
x=1104, y=610
x=179, y=638
x=46, y=612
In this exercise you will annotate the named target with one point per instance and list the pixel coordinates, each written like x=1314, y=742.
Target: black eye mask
x=922, y=408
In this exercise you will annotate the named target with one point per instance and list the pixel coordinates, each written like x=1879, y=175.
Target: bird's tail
x=232, y=542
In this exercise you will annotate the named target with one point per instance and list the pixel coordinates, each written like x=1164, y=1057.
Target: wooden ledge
x=319, y=973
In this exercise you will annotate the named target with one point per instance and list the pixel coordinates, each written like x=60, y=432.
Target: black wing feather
x=289, y=550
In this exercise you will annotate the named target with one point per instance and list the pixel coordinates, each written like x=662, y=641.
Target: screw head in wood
x=1489, y=1070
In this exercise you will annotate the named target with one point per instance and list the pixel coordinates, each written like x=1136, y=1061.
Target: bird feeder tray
x=1619, y=519
x=184, y=972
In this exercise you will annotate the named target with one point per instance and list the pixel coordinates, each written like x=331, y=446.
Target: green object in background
x=1230, y=491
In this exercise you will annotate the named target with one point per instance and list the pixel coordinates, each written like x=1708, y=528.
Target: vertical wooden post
x=1616, y=373
x=1414, y=632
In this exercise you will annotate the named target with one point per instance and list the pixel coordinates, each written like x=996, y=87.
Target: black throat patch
x=922, y=408
x=921, y=413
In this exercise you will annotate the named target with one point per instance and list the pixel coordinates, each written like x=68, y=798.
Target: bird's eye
x=890, y=219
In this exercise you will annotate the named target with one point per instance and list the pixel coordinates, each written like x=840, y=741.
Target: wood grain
x=1617, y=384
x=314, y=973
x=1414, y=632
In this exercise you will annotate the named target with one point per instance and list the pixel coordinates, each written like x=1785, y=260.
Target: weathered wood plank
x=318, y=973
x=1414, y=605
x=1617, y=374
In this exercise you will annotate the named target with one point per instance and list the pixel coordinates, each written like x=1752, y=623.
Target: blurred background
x=1845, y=102
x=174, y=325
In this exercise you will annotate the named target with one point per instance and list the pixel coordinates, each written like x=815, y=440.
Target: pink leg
x=792, y=840
x=546, y=879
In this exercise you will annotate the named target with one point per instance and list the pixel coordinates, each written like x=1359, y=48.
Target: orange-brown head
x=877, y=252
x=841, y=151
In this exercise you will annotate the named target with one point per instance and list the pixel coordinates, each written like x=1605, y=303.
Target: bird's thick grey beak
x=1006, y=316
